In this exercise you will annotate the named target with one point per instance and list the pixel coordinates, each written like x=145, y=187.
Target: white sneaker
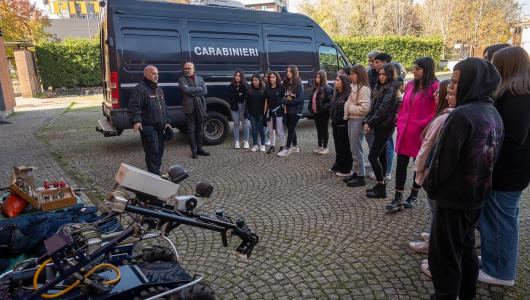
x=388, y=177
x=236, y=145
x=425, y=236
x=344, y=174
x=295, y=149
x=317, y=150
x=268, y=143
x=285, y=152
x=254, y=148
x=425, y=269
x=483, y=277
x=262, y=148
x=324, y=151
x=372, y=175
x=245, y=145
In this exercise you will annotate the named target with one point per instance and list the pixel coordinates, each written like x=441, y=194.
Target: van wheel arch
x=216, y=126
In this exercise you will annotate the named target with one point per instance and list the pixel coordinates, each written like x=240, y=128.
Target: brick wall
x=27, y=73
x=7, y=99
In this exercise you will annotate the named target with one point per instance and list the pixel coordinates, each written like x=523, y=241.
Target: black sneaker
x=349, y=178
x=271, y=150
x=194, y=155
x=411, y=200
x=396, y=204
x=356, y=182
x=334, y=169
x=379, y=191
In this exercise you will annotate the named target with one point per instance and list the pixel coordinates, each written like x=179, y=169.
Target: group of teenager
x=468, y=139
x=264, y=106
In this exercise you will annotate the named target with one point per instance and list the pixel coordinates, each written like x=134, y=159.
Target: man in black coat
x=193, y=91
x=148, y=111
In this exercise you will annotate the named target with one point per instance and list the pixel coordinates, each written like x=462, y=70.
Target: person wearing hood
x=148, y=111
x=460, y=178
x=499, y=221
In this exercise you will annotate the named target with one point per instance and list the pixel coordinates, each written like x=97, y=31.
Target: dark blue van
x=218, y=40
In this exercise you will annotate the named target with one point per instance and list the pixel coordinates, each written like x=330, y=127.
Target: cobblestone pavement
x=319, y=238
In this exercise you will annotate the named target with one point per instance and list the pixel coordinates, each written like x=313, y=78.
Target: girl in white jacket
x=355, y=109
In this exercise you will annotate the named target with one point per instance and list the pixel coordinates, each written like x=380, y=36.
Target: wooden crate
x=45, y=200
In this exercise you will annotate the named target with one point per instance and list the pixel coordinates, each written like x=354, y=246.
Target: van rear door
x=146, y=40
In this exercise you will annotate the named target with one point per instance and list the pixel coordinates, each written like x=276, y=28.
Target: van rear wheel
x=215, y=129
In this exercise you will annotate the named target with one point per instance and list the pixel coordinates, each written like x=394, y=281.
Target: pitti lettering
x=217, y=51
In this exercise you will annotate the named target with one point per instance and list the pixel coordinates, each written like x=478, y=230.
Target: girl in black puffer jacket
x=343, y=159
x=237, y=91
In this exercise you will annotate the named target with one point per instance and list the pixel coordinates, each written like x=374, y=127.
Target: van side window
x=329, y=60
x=151, y=46
x=290, y=50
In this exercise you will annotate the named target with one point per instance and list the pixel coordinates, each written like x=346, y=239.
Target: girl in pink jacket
x=416, y=112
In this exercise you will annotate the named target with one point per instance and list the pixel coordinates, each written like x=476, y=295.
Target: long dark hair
x=442, y=105
x=442, y=97
x=292, y=83
x=491, y=49
x=242, y=78
x=252, y=89
x=278, y=78
x=346, y=88
x=323, y=80
x=391, y=76
x=427, y=65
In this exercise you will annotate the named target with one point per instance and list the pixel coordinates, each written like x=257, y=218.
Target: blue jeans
x=499, y=234
x=389, y=155
x=257, y=127
x=238, y=117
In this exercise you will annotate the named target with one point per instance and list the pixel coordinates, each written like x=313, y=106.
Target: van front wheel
x=215, y=129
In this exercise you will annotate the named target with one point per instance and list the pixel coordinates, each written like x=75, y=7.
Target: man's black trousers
x=195, y=129
x=153, y=142
x=453, y=261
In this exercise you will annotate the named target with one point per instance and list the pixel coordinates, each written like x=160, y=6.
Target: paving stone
x=318, y=238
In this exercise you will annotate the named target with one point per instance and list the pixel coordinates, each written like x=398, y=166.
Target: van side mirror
x=311, y=82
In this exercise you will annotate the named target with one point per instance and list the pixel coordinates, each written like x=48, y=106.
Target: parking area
x=318, y=238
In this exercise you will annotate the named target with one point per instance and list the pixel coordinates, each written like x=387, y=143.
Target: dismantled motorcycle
x=83, y=262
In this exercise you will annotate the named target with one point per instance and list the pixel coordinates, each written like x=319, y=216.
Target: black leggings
x=343, y=159
x=321, y=122
x=401, y=173
x=377, y=155
x=290, y=121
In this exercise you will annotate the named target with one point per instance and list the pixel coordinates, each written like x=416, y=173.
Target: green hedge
x=404, y=49
x=70, y=63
